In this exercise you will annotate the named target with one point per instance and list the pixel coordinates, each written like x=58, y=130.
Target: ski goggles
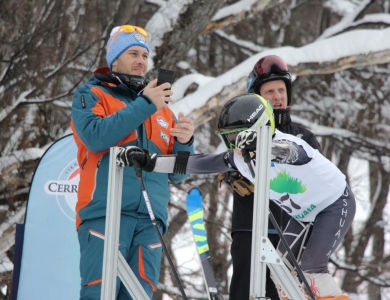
x=270, y=64
x=264, y=68
x=127, y=29
x=229, y=137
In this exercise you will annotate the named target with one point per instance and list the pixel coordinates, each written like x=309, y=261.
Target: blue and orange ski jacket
x=105, y=115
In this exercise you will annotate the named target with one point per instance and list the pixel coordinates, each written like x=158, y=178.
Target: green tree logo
x=284, y=183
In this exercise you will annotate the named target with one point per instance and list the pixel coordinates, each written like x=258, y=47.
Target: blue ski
x=195, y=216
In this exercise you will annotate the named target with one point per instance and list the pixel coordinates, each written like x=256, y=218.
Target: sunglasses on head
x=127, y=29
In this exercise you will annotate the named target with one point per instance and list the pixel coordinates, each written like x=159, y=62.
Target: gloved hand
x=132, y=155
x=240, y=184
x=246, y=140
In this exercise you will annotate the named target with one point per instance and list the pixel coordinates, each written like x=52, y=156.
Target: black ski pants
x=241, y=250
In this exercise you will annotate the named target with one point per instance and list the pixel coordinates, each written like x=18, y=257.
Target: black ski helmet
x=247, y=111
x=268, y=68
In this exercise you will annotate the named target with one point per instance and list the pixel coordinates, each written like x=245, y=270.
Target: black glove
x=246, y=140
x=133, y=155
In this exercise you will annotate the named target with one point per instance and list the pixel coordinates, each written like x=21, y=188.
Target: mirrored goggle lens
x=131, y=28
x=270, y=64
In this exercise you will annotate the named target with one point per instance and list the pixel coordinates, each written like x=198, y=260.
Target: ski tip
x=194, y=192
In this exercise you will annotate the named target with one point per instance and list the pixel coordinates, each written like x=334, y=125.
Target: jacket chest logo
x=164, y=136
x=160, y=120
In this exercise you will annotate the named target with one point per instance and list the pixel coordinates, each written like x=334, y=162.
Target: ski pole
x=290, y=253
x=247, y=159
x=138, y=173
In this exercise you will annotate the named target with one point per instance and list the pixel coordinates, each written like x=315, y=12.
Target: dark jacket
x=243, y=206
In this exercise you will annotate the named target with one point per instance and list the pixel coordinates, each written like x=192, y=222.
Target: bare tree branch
x=225, y=18
x=189, y=26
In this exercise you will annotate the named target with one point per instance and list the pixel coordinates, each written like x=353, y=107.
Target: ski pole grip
x=137, y=169
x=247, y=159
x=246, y=155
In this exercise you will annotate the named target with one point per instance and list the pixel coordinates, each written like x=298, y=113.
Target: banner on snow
x=50, y=257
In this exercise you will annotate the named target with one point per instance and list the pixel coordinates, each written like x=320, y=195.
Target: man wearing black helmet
x=271, y=79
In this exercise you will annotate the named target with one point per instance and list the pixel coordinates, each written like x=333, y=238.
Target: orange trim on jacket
x=141, y=269
x=100, y=102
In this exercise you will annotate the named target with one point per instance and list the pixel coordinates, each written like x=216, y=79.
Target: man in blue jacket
x=117, y=108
